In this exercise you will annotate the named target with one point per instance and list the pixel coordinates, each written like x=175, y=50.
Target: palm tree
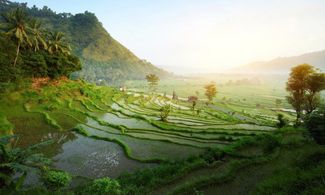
x=15, y=27
x=56, y=43
x=37, y=35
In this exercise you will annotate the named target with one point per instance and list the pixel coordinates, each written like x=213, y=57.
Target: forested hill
x=103, y=58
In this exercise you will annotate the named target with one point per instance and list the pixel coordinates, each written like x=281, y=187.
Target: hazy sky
x=207, y=35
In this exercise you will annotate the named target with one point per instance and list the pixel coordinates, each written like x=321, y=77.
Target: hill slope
x=104, y=59
x=284, y=64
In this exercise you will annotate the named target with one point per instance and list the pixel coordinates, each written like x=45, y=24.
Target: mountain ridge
x=284, y=64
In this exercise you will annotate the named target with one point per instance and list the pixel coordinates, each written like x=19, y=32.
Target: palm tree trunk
x=17, y=54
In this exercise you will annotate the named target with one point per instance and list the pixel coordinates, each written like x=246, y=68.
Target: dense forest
x=104, y=60
x=29, y=50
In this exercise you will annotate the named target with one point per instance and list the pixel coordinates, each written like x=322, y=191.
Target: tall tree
x=37, y=35
x=16, y=28
x=57, y=43
x=315, y=84
x=153, y=80
x=210, y=91
x=297, y=86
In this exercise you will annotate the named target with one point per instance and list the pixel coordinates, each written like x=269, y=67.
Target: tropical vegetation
x=81, y=138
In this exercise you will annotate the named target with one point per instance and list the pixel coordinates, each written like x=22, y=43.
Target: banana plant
x=15, y=160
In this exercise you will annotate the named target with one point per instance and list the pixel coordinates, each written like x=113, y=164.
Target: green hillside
x=103, y=58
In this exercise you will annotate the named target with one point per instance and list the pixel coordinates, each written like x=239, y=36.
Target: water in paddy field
x=79, y=155
x=94, y=158
x=128, y=122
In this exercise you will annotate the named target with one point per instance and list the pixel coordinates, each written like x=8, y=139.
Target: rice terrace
x=81, y=114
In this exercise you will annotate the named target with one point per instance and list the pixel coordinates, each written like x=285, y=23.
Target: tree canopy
x=153, y=80
x=210, y=90
x=29, y=50
x=304, y=85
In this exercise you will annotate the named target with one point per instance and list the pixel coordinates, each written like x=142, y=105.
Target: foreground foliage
x=17, y=160
x=315, y=123
x=56, y=179
x=102, y=186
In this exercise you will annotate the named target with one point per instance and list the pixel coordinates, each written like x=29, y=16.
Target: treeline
x=29, y=50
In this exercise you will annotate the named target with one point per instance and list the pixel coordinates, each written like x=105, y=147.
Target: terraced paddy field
x=100, y=131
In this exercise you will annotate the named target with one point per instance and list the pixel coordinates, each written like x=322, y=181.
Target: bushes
x=269, y=144
x=142, y=181
x=164, y=112
x=103, y=186
x=315, y=123
x=311, y=160
x=295, y=181
x=56, y=179
x=212, y=155
x=265, y=141
x=281, y=121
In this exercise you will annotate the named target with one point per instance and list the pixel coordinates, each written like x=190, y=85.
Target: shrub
x=103, y=186
x=315, y=123
x=56, y=179
x=267, y=142
x=270, y=143
x=281, y=121
x=145, y=180
x=164, y=112
x=212, y=155
x=294, y=181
